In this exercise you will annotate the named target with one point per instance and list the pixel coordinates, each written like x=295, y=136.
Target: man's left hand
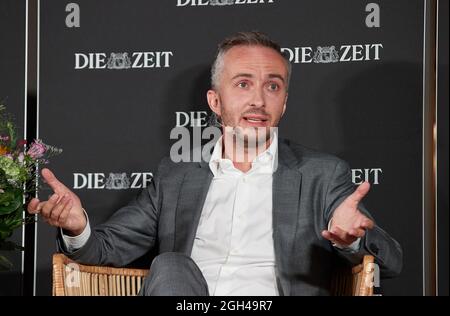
x=348, y=223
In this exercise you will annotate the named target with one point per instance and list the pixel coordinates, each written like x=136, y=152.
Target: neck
x=242, y=160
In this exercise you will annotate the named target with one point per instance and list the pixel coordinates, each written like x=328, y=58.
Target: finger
x=367, y=223
x=40, y=206
x=53, y=182
x=336, y=230
x=333, y=238
x=357, y=232
x=65, y=212
x=360, y=192
x=342, y=235
x=343, y=242
x=59, y=207
x=49, y=205
x=32, y=206
x=327, y=235
x=59, y=198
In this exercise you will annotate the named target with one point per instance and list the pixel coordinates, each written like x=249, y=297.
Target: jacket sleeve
x=386, y=250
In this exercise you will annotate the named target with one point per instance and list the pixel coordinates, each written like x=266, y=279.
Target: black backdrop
x=365, y=105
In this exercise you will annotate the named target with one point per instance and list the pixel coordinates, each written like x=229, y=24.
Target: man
x=268, y=222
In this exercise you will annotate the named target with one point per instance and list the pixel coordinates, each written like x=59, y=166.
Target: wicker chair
x=355, y=281
x=73, y=279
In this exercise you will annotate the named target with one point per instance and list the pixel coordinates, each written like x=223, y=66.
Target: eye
x=273, y=86
x=242, y=84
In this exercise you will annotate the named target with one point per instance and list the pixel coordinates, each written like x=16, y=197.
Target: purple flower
x=37, y=150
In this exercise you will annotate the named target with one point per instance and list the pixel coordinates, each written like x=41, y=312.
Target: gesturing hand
x=63, y=209
x=348, y=223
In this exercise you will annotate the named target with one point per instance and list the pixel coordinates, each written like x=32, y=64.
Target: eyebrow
x=276, y=76
x=246, y=75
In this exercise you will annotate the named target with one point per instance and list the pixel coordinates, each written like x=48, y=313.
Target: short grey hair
x=253, y=38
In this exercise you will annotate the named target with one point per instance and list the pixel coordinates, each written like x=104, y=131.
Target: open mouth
x=256, y=119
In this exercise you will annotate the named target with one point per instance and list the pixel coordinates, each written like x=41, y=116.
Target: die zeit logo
x=123, y=60
x=184, y=3
x=333, y=54
x=111, y=181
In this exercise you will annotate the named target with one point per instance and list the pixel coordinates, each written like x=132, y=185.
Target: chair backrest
x=74, y=279
x=355, y=281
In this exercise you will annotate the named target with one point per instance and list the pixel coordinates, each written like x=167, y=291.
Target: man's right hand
x=63, y=209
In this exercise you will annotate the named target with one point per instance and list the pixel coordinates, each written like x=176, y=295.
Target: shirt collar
x=265, y=162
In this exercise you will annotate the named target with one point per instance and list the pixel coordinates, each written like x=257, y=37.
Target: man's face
x=252, y=88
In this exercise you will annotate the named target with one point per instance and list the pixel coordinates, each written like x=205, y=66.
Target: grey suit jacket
x=307, y=187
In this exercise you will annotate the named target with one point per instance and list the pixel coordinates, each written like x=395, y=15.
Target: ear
x=284, y=106
x=213, y=101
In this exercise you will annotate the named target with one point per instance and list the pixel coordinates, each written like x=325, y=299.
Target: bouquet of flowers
x=18, y=178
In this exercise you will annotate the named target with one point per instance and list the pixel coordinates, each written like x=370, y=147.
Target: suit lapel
x=286, y=196
x=189, y=207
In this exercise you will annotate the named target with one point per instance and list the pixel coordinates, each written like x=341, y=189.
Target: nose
x=258, y=99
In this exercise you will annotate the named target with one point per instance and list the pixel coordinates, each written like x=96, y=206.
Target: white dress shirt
x=233, y=246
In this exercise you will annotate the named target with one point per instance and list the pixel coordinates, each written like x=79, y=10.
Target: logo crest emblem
x=327, y=54
x=117, y=181
x=119, y=61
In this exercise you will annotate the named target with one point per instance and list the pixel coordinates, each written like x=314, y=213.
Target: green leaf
x=12, y=134
x=10, y=201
